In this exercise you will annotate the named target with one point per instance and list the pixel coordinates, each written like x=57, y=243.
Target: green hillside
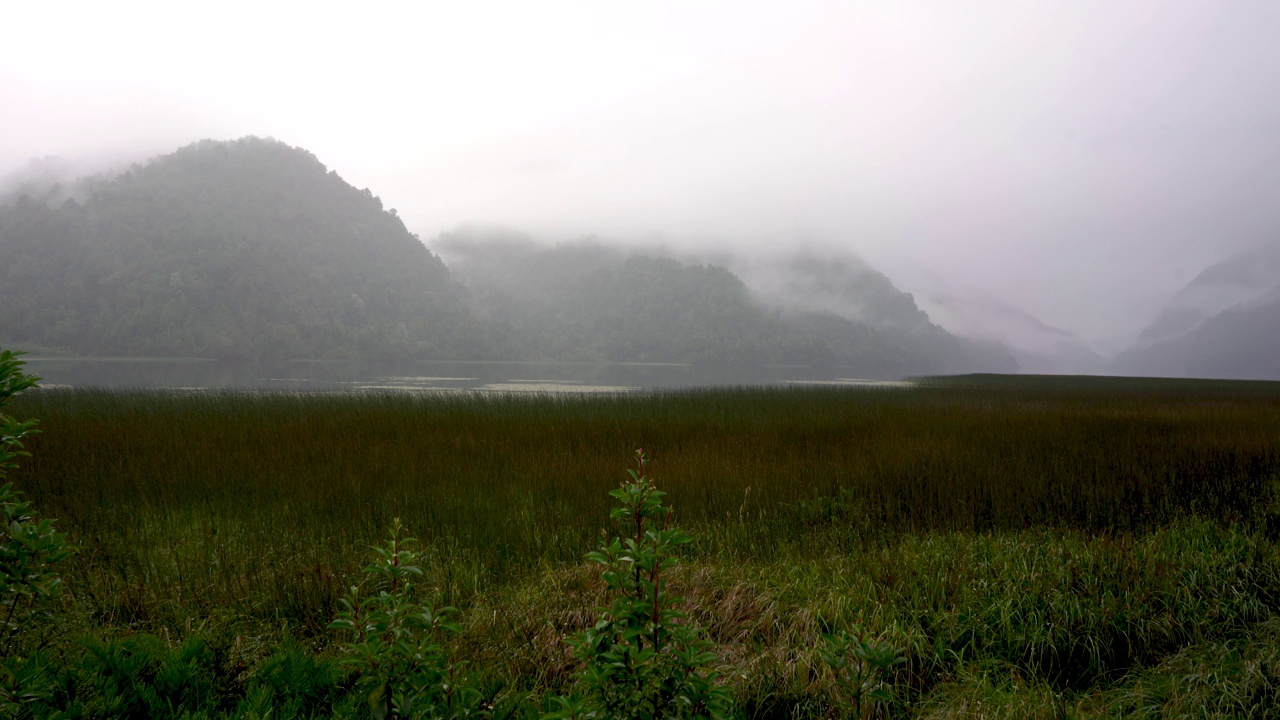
x=248, y=248
x=253, y=249
x=586, y=301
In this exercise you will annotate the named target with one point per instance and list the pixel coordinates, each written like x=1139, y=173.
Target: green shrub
x=29, y=552
x=640, y=659
x=397, y=646
x=860, y=663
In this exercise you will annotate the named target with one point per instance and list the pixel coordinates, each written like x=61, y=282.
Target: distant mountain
x=1238, y=280
x=591, y=301
x=253, y=249
x=44, y=179
x=839, y=284
x=978, y=315
x=1224, y=323
x=248, y=248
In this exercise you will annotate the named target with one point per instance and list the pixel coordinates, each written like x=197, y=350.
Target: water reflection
x=434, y=376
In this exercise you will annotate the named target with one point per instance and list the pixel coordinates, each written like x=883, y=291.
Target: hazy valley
x=252, y=249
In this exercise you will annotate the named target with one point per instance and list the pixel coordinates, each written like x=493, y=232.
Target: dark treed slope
x=226, y=249
x=833, y=283
x=586, y=301
x=861, y=311
x=252, y=249
x=974, y=313
x=1225, y=323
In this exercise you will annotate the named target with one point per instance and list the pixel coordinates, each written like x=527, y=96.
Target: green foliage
x=642, y=659
x=586, y=301
x=13, y=383
x=141, y=677
x=30, y=550
x=293, y=682
x=397, y=642
x=1030, y=544
x=145, y=677
x=861, y=664
x=1235, y=677
x=1231, y=678
x=243, y=249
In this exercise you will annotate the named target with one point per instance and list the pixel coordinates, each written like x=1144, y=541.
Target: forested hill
x=252, y=249
x=591, y=301
x=248, y=248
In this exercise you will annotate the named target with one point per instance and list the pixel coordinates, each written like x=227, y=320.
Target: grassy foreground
x=1039, y=547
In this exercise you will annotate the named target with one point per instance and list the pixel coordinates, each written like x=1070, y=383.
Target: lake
x=185, y=373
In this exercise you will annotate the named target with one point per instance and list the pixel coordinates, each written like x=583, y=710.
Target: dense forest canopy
x=253, y=249
x=587, y=299
x=226, y=249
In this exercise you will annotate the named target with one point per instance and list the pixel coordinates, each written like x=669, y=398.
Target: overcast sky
x=1079, y=159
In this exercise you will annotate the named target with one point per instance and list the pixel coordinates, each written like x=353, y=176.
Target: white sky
x=1080, y=159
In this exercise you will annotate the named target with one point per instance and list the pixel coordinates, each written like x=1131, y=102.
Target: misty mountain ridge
x=252, y=248
x=1238, y=280
x=975, y=314
x=806, y=279
x=51, y=181
x=801, y=307
x=1224, y=323
x=249, y=248
x=839, y=283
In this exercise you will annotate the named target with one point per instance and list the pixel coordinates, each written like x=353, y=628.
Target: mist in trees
x=254, y=249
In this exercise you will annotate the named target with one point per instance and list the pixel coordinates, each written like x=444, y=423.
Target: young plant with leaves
x=861, y=665
x=397, y=643
x=29, y=549
x=642, y=659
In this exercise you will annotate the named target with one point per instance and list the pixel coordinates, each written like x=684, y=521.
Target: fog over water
x=1076, y=161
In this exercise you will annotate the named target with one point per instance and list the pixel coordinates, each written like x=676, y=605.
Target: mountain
x=254, y=249
x=586, y=300
x=1224, y=323
x=833, y=283
x=817, y=283
x=248, y=248
x=970, y=313
x=1235, y=281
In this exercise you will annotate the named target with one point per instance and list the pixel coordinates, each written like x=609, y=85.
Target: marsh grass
x=1031, y=542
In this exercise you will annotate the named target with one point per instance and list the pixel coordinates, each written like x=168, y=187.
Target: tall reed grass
x=203, y=500
x=1063, y=530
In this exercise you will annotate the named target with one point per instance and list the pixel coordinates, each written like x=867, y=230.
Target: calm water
x=355, y=375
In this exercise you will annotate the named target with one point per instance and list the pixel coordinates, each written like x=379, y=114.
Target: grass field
x=1040, y=547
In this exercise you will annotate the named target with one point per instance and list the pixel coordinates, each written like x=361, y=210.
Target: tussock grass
x=1033, y=543
x=1068, y=610
x=1238, y=677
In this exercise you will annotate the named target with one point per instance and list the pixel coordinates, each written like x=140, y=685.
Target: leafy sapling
x=30, y=549
x=861, y=665
x=642, y=659
x=397, y=642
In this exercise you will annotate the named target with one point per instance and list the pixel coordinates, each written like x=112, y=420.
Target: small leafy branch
x=29, y=549
x=13, y=383
x=641, y=659
x=397, y=642
x=861, y=665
